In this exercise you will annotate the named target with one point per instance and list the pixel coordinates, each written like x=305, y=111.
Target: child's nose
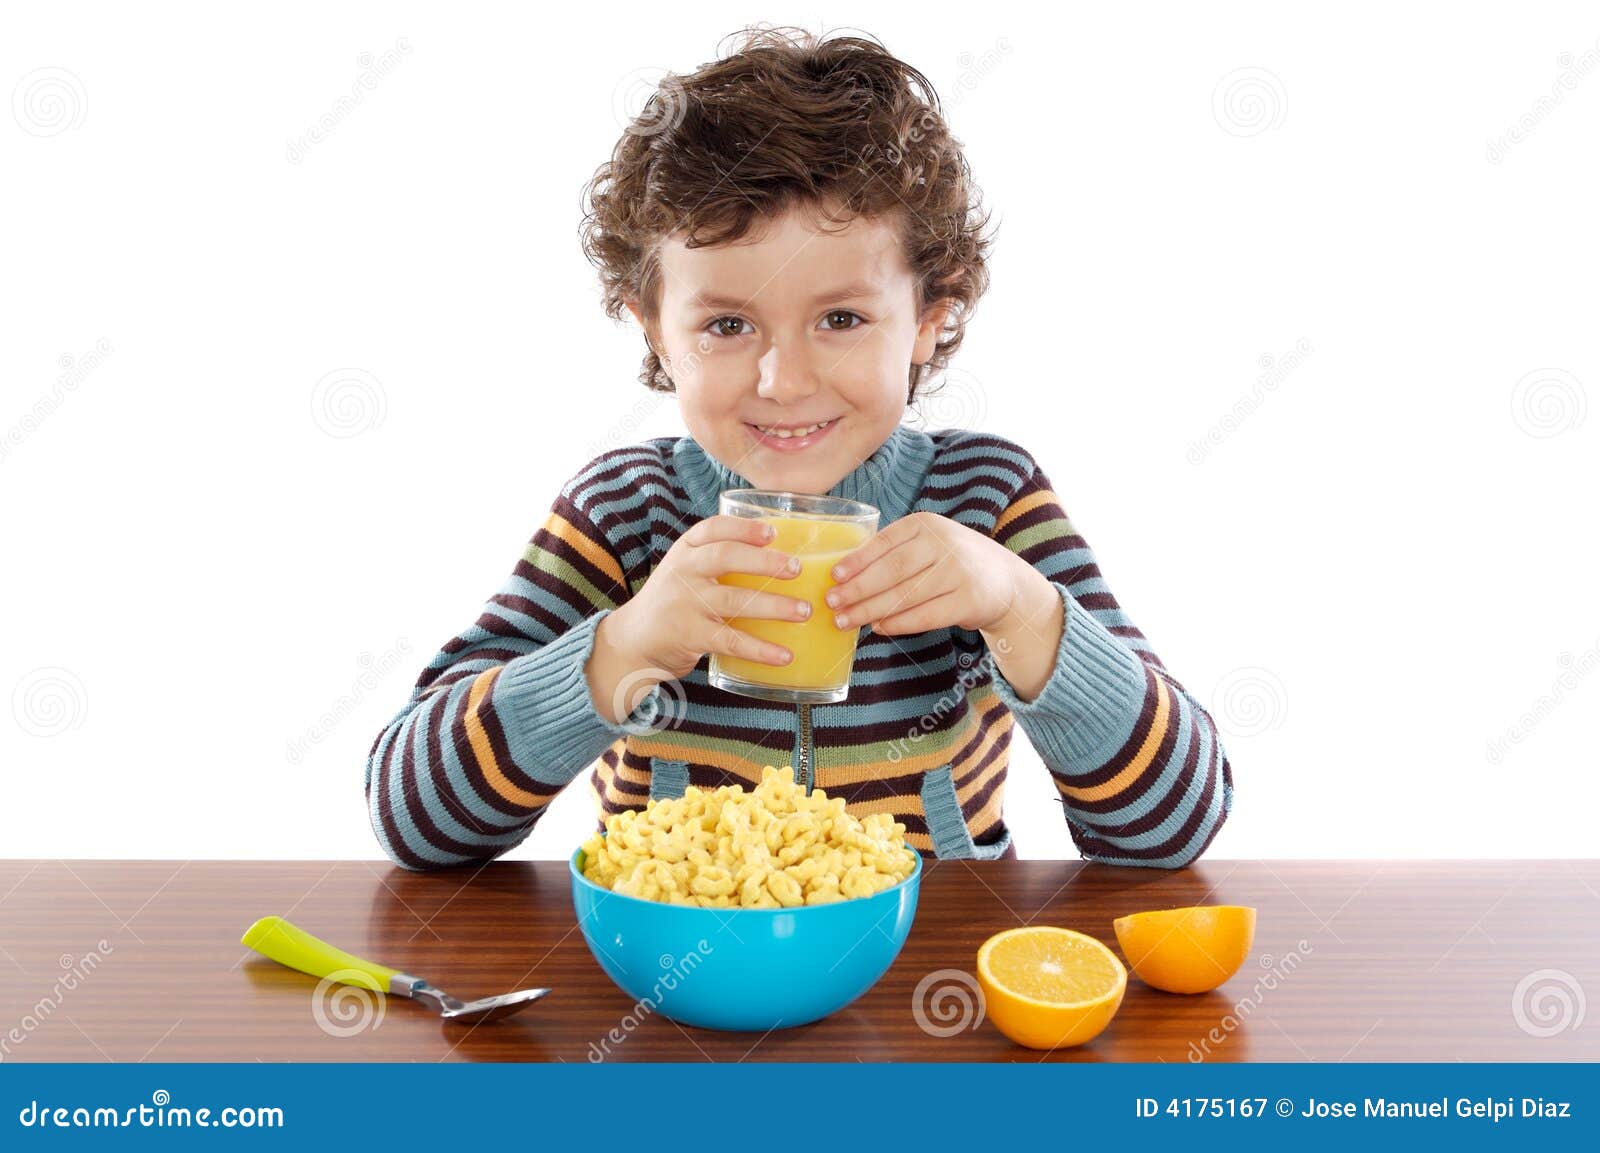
x=786, y=374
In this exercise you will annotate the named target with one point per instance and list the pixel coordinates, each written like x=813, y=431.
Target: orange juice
x=823, y=653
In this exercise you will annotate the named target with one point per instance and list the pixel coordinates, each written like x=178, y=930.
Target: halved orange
x=1188, y=950
x=1049, y=988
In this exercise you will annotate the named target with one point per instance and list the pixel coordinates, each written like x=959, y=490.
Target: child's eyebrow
x=856, y=291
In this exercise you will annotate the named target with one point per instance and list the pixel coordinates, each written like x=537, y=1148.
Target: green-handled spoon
x=290, y=945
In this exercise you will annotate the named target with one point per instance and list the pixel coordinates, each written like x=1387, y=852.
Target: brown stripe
x=1129, y=747
x=470, y=767
x=1041, y=514
x=441, y=782
x=566, y=593
x=984, y=509
x=874, y=652
x=1000, y=751
x=618, y=462
x=494, y=729
x=946, y=463
x=1179, y=838
x=841, y=736
x=415, y=809
x=391, y=832
x=1145, y=782
x=1042, y=550
x=975, y=804
x=656, y=513
x=981, y=722
x=939, y=681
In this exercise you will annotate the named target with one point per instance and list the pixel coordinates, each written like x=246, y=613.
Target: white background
x=1379, y=573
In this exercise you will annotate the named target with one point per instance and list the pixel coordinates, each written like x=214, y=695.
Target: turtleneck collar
x=889, y=480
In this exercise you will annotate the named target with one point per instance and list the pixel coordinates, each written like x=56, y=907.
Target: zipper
x=803, y=772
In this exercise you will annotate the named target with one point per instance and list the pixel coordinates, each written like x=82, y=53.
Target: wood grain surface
x=1353, y=961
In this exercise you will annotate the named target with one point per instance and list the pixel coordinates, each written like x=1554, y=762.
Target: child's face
x=764, y=334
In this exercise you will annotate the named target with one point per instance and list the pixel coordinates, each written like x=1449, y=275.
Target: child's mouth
x=791, y=437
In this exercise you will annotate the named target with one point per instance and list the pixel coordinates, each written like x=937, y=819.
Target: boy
x=793, y=227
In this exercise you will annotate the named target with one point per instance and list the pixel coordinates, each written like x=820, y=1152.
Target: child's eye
x=722, y=320
x=724, y=325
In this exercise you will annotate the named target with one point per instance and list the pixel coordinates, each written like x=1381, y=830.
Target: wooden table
x=1353, y=961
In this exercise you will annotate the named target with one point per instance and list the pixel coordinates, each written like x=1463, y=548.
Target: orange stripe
x=1141, y=760
x=629, y=774
x=990, y=737
x=986, y=818
x=477, y=700
x=748, y=771
x=910, y=804
x=1025, y=505
x=975, y=786
x=558, y=525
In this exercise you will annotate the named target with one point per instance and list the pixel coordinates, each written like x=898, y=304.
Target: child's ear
x=929, y=330
x=649, y=337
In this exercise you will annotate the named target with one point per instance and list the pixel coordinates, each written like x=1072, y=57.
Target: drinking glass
x=818, y=530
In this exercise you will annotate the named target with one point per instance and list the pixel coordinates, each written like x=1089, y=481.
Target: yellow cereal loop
x=770, y=847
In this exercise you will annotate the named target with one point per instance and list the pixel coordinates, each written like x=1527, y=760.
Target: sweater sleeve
x=501, y=719
x=1140, y=769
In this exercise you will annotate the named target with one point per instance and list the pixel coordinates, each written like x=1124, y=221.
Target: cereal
x=771, y=847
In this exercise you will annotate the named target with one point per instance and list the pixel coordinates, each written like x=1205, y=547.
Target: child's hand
x=677, y=616
x=926, y=571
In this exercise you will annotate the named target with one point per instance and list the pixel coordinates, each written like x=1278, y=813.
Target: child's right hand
x=679, y=613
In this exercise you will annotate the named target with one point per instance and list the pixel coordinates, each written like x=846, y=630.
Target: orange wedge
x=1049, y=988
x=1190, y=950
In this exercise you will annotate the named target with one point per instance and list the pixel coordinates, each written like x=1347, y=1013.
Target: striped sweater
x=501, y=720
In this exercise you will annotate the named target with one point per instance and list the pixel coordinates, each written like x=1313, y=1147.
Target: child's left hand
x=926, y=571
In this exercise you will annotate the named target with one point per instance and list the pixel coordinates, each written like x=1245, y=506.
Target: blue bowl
x=746, y=969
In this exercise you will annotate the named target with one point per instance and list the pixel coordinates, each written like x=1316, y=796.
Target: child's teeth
x=786, y=433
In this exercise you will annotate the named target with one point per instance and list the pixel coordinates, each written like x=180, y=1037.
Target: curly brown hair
x=837, y=124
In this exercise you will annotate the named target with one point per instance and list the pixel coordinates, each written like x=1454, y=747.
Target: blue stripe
x=1166, y=780
x=647, y=456
x=960, y=448
x=946, y=480
x=524, y=623
x=490, y=823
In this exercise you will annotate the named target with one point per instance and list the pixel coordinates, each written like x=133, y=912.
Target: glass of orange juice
x=819, y=530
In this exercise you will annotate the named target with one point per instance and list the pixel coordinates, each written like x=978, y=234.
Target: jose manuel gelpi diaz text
x=1491, y=1108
